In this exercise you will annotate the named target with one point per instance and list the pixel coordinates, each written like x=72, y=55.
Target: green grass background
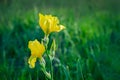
x=88, y=49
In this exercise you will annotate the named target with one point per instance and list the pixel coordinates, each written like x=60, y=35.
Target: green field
x=88, y=49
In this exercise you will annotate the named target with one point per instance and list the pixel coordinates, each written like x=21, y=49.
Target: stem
x=47, y=74
x=46, y=41
x=51, y=69
x=43, y=64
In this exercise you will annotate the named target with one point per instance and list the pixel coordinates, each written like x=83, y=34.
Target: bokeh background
x=89, y=48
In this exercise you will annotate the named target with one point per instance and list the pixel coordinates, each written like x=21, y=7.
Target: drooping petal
x=59, y=28
x=32, y=61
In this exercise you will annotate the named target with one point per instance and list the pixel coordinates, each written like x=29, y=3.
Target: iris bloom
x=49, y=23
x=37, y=50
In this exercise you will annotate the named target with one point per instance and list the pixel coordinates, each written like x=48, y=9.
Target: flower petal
x=49, y=23
x=36, y=48
x=59, y=28
x=32, y=61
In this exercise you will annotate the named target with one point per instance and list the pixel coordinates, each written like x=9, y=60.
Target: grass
x=87, y=50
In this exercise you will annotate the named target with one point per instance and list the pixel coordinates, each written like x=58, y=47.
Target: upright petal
x=43, y=23
x=36, y=48
x=49, y=23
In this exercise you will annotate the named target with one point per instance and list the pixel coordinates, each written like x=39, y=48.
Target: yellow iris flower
x=49, y=23
x=37, y=51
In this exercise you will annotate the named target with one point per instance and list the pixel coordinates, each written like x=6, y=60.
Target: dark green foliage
x=89, y=48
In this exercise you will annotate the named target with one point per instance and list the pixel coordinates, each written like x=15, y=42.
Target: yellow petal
x=59, y=28
x=62, y=27
x=36, y=48
x=49, y=23
x=43, y=23
x=32, y=61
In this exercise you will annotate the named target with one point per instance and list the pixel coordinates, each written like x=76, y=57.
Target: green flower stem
x=51, y=68
x=46, y=73
x=43, y=64
x=46, y=41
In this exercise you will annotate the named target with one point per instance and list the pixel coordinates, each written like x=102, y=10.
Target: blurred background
x=89, y=48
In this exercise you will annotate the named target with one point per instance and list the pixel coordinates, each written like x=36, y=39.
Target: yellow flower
x=37, y=51
x=49, y=23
